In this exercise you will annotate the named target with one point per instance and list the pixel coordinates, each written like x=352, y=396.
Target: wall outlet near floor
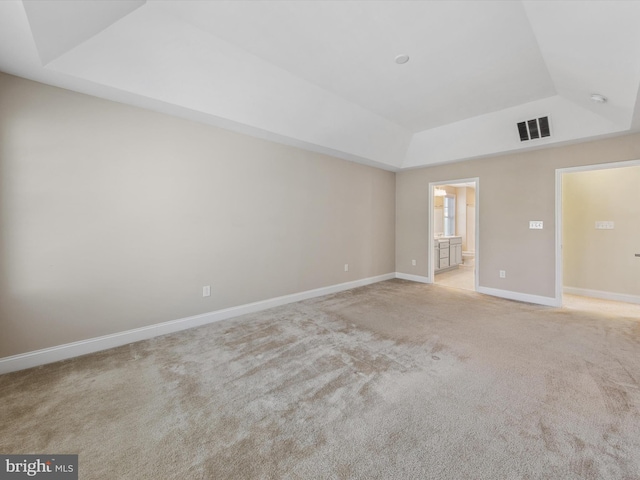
x=413, y=262
x=536, y=224
x=206, y=291
x=604, y=225
x=346, y=267
x=503, y=274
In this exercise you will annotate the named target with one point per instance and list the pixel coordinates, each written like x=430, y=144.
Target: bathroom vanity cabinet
x=447, y=253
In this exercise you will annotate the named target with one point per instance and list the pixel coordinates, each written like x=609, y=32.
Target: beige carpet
x=397, y=380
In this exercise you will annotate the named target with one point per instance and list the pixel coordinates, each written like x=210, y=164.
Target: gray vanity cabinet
x=447, y=253
x=455, y=251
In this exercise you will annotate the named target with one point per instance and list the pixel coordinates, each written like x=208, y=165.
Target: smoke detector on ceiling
x=400, y=59
x=597, y=98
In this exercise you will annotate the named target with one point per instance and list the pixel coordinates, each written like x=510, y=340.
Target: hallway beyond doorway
x=462, y=278
x=607, y=307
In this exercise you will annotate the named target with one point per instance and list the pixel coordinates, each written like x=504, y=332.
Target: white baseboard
x=413, y=278
x=521, y=297
x=495, y=292
x=616, y=297
x=96, y=344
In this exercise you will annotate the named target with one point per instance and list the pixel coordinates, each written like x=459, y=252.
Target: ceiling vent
x=532, y=129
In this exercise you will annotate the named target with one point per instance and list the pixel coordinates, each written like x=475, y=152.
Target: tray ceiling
x=321, y=75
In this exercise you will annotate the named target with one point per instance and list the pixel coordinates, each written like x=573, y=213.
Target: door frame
x=430, y=233
x=559, y=173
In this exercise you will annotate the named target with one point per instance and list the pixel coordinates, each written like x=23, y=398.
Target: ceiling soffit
x=59, y=26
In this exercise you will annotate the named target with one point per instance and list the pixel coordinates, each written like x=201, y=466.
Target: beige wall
x=513, y=189
x=602, y=260
x=465, y=217
x=470, y=245
x=113, y=217
x=461, y=215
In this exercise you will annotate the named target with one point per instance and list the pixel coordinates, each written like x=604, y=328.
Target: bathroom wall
x=461, y=215
x=438, y=209
x=465, y=214
x=470, y=245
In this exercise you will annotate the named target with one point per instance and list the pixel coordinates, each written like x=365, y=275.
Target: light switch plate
x=536, y=224
x=607, y=225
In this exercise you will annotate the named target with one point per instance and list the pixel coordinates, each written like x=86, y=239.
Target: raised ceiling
x=321, y=74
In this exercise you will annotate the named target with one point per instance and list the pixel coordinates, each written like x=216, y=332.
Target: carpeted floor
x=397, y=380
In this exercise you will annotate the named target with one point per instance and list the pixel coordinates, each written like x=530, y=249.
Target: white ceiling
x=321, y=74
x=348, y=48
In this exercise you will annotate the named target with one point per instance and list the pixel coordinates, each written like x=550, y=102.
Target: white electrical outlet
x=604, y=225
x=206, y=291
x=413, y=262
x=503, y=274
x=346, y=267
x=536, y=224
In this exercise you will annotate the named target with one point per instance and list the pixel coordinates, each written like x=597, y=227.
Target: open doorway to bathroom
x=454, y=238
x=598, y=238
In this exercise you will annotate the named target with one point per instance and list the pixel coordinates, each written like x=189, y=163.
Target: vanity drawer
x=444, y=262
x=444, y=252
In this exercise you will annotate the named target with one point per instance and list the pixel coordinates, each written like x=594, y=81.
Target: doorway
x=597, y=235
x=453, y=233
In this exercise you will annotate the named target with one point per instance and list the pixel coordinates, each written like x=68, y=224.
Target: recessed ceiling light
x=400, y=59
x=596, y=97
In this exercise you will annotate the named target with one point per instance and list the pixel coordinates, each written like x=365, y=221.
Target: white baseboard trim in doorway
x=616, y=297
x=96, y=344
x=413, y=278
x=521, y=297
